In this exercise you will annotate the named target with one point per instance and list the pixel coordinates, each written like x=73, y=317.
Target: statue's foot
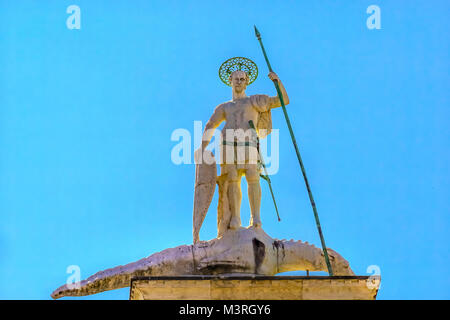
x=235, y=223
x=256, y=223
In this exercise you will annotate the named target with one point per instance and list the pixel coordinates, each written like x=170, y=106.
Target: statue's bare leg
x=254, y=194
x=234, y=195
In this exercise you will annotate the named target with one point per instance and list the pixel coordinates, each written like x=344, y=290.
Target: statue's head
x=239, y=80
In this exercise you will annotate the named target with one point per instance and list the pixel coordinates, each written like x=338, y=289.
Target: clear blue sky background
x=86, y=117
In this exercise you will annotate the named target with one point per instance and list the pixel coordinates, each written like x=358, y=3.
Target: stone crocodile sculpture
x=241, y=251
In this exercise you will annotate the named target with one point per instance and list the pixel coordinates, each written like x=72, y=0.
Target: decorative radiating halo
x=238, y=63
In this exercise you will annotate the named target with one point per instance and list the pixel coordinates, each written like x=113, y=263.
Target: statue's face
x=239, y=80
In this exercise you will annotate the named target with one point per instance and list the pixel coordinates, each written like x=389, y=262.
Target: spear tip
x=257, y=34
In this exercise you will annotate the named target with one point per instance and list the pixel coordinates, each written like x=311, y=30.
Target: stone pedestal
x=254, y=288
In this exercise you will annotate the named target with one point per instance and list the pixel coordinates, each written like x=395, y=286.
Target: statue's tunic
x=239, y=141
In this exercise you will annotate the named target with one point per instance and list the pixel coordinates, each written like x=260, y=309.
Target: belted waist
x=240, y=143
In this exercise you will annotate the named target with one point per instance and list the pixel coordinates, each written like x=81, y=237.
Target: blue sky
x=86, y=117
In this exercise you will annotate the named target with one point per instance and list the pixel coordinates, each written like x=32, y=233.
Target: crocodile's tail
x=173, y=261
x=298, y=255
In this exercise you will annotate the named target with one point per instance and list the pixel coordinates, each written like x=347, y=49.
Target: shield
x=205, y=184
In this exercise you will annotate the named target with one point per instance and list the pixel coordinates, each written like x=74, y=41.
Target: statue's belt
x=240, y=144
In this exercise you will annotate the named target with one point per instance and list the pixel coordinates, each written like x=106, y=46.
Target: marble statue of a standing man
x=238, y=155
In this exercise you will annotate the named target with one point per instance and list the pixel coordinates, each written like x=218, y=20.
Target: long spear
x=313, y=204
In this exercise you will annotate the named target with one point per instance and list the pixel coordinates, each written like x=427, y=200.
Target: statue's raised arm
x=275, y=101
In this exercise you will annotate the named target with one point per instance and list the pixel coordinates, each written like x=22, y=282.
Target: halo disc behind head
x=238, y=63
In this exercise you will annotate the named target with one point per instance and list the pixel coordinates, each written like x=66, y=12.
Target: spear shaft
x=266, y=175
x=311, y=199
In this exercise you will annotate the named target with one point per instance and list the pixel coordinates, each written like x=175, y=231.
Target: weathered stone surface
x=240, y=251
x=253, y=288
